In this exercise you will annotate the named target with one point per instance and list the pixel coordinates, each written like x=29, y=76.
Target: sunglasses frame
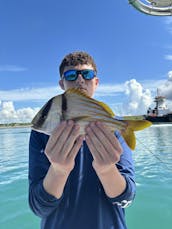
x=75, y=72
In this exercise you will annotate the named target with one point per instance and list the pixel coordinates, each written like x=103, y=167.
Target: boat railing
x=153, y=7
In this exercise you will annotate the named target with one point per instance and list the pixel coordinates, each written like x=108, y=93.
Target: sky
x=132, y=50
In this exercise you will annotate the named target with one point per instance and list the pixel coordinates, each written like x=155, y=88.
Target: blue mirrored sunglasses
x=72, y=75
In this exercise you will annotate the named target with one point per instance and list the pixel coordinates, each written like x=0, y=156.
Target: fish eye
x=43, y=116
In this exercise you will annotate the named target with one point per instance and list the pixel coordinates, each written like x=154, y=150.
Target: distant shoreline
x=15, y=125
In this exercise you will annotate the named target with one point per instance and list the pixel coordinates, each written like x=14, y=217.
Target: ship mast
x=160, y=107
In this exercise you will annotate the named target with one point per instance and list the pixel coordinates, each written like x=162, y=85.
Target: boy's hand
x=104, y=146
x=63, y=146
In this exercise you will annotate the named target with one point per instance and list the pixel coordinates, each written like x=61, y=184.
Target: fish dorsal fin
x=80, y=93
x=107, y=108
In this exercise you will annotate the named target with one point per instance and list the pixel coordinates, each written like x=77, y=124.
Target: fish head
x=48, y=117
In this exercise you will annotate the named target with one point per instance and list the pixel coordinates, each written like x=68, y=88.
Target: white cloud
x=12, y=68
x=109, y=89
x=138, y=98
x=170, y=76
x=8, y=114
x=166, y=88
x=168, y=57
x=25, y=94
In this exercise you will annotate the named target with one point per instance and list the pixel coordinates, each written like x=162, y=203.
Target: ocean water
x=151, y=209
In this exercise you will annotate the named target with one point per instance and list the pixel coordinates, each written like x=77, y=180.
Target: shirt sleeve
x=41, y=202
x=126, y=168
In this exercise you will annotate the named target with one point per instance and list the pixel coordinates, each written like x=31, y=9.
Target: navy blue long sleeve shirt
x=84, y=203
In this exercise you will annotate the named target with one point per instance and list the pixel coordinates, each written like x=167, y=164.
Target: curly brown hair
x=76, y=58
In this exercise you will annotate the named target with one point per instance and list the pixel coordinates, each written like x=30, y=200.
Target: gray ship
x=160, y=113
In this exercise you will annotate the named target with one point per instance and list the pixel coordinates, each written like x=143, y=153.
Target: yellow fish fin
x=130, y=138
x=107, y=108
x=136, y=125
x=103, y=105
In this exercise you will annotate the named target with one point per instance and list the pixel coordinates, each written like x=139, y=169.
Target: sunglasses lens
x=88, y=74
x=70, y=75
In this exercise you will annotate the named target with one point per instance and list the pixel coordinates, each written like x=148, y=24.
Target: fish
x=76, y=105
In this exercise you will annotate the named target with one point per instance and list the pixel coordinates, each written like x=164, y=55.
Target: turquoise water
x=152, y=208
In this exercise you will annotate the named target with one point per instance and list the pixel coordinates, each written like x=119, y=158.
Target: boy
x=80, y=182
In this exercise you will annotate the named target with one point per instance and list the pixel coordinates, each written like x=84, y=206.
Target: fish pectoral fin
x=130, y=138
x=136, y=125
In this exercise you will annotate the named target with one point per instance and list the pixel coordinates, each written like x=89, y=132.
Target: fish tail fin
x=134, y=125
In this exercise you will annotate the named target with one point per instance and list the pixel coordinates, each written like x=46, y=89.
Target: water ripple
x=13, y=154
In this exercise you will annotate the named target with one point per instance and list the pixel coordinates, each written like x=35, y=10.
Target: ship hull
x=159, y=119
